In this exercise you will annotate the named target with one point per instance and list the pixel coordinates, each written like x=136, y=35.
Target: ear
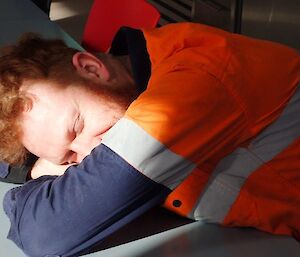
x=27, y=103
x=27, y=99
x=89, y=66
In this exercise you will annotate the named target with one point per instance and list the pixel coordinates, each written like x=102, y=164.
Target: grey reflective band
x=231, y=172
x=146, y=154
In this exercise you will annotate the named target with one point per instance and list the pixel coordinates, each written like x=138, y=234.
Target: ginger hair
x=32, y=58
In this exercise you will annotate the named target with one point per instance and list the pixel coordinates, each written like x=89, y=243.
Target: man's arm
x=67, y=215
x=33, y=168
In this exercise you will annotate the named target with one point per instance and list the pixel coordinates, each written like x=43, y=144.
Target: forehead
x=48, y=101
x=45, y=126
x=42, y=87
x=47, y=88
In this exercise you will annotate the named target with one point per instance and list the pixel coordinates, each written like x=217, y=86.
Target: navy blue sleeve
x=69, y=214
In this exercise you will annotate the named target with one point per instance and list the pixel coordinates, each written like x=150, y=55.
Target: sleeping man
x=200, y=120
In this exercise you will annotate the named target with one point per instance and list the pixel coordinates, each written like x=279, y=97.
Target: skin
x=63, y=125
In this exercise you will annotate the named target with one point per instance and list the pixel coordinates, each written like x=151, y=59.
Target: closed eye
x=78, y=125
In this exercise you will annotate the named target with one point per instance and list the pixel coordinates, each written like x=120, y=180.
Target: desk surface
x=19, y=10
x=17, y=17
x=190, y=240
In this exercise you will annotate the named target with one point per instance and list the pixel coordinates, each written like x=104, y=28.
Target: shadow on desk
x=209, y=240
x=192, y=239
x=152, y=222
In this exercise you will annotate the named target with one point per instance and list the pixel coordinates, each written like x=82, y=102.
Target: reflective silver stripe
x=232, y=171
x=147, y=154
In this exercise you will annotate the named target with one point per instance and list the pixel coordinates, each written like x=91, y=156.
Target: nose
x=75, y=158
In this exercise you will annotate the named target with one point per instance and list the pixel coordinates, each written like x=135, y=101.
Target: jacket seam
x=233, y=92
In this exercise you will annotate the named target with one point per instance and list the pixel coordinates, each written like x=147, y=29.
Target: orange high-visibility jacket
x=219, y=124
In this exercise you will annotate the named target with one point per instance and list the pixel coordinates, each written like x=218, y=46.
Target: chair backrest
x=107, y=16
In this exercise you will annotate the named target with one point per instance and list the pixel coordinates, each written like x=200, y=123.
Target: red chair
x=107, y=16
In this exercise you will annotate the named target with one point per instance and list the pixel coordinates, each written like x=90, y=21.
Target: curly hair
x=32, y=58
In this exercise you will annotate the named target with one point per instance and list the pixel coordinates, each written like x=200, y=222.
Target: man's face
x=64, y=125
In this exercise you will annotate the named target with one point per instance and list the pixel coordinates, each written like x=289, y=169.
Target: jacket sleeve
x=17, y=174
x=67, y=215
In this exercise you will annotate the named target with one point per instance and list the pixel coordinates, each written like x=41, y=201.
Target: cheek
x=93, y=127
x=96, y=141
x=92, y=142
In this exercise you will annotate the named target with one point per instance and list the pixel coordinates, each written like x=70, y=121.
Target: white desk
x=191, y=240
